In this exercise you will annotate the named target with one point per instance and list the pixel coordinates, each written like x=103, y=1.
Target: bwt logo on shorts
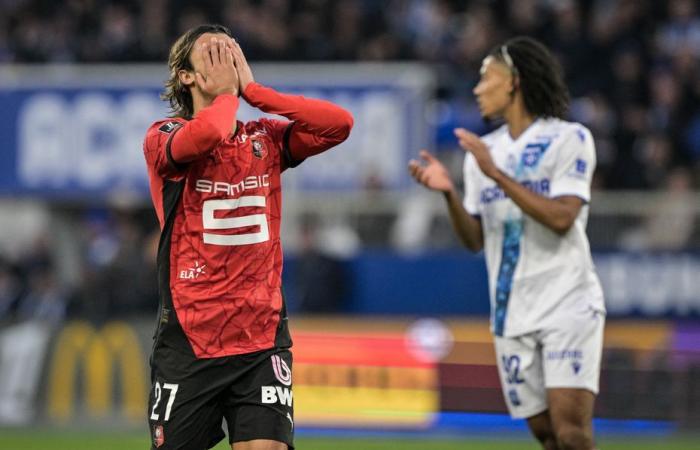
x=274, y=394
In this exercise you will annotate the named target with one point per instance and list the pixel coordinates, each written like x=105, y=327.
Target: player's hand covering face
x=215, y=72
x=470, y=142
x=495, y=90
x=245, y=75
x=432, y=174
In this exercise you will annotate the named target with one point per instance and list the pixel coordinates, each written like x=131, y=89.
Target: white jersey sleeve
x=471, y=185
x=575, y=164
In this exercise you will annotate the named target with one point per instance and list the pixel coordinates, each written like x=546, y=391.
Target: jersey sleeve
x=317, y=125
x=156, y=149
x=280, y=132
x=573, y=171
x=471, y=185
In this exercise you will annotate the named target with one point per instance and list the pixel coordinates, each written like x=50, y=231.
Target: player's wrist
x=449, y=187
x=248, y=91
x=497, y=175
x=449, y=192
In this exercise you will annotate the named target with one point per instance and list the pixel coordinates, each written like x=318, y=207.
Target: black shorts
x=190, y=398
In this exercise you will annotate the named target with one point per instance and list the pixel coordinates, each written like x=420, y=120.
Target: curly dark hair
x=177, y=94
x=540, y=75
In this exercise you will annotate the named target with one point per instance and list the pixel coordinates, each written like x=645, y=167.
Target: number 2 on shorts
x=171, y=399
x=511, y=365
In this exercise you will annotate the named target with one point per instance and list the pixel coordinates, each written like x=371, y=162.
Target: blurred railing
x=627, y=220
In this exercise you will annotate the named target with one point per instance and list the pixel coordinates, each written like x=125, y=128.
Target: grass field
x=28, y=440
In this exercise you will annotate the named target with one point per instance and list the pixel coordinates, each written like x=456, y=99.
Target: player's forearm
x=551, y=213
x=208, y=128
x=468, y=228
x=321, y=118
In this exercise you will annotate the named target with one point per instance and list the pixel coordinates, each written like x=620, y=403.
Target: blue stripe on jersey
x=512, y=232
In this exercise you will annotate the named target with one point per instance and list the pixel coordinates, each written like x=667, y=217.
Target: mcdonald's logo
x=84, y=353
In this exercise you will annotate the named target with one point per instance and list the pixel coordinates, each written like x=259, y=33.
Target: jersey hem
x=241, y=351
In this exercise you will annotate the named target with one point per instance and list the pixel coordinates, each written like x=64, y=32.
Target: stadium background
x=389, y=316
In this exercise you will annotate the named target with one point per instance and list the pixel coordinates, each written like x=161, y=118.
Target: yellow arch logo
x=81, y=346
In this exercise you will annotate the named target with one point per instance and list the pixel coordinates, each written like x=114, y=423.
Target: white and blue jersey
x=536, y=276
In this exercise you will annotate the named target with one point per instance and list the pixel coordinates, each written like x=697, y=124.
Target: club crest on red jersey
x=158, y=435
x=259, y=150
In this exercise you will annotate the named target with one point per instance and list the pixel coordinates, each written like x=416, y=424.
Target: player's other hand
x=430, y=172
x=219, y=75
x=470, y=142
x=245, y=75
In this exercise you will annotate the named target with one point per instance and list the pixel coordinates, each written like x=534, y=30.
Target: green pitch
x=61, y=440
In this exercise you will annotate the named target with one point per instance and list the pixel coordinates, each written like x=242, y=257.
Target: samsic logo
x=94, y=360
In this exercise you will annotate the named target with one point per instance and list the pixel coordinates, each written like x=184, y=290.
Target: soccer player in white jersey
x=527, y=188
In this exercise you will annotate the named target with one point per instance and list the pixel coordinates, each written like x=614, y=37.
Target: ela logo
x=193, y=272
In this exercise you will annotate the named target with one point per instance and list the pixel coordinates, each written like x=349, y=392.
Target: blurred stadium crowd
x=633, y=67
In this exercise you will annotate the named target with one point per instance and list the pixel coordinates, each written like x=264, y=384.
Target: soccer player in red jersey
x=221, y=347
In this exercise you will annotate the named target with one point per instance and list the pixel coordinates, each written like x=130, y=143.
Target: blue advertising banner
x=454, y=282
x=81, y=134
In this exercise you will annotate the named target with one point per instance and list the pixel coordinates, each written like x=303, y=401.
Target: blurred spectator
x=10, y=289
x=320, y=278
x=572, y=46
x=604, y=47
x=45, y=301
x=682, y=30
x=119, y=276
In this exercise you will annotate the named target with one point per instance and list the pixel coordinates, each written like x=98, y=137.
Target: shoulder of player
x=165, y=126
x=160, y=130
x=566, y=131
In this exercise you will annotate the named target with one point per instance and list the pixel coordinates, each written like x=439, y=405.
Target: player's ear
x=514, y=84
x=186, y=77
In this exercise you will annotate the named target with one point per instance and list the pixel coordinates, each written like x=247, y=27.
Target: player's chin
x=489, y=114
x=485, y=112
x=487, y=117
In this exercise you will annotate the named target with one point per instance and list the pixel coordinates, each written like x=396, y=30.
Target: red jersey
x=218, y=198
